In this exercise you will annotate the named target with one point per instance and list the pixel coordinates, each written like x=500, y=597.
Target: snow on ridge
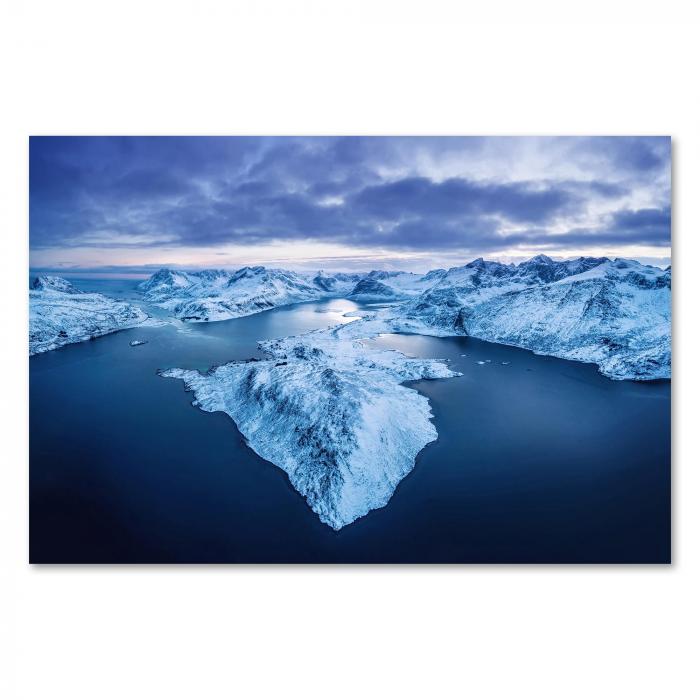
x=54, y=284
x=216, y=295
x=332, y=413
x=380, y=285
x=60, y=314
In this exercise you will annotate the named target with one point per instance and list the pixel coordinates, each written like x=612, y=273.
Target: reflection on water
x=537, y=459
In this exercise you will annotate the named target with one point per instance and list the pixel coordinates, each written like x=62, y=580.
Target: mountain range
x=216, y=295
x=615, y=313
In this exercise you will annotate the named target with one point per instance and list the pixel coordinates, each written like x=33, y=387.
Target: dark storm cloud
x=457, y=198
x=647, y=227
x=136, y=192
x=651, y=227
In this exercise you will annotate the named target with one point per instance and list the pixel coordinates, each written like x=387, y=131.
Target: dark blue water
x=538, y=460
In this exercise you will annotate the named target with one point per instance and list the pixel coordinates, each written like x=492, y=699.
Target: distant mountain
x=60, y=314
x=216, y=295
x=341, y=283
x=616, y=313
x=380, y=285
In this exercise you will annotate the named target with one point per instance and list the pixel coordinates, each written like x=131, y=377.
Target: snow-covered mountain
x=616, y=313
x=380, y=285
x=216, y=295
x=331, y=412
x=337, y=283
x=60, y=314
x=482, y=279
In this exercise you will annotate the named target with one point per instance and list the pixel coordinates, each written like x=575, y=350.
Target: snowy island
x=331, y=412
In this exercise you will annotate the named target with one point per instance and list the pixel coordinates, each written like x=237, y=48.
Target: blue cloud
x=519, y=202
x=359, y=191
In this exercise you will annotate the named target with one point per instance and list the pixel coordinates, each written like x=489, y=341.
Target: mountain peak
x=540, y=259
x=55, y=284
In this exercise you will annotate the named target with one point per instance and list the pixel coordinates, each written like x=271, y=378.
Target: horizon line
x=137, y=271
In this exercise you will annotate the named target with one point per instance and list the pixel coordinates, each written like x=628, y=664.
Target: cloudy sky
x=416, y=203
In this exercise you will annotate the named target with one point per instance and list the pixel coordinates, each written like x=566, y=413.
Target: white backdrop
x=601, y=67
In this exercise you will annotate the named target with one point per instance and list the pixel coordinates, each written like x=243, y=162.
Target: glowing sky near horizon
x=134, y=203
